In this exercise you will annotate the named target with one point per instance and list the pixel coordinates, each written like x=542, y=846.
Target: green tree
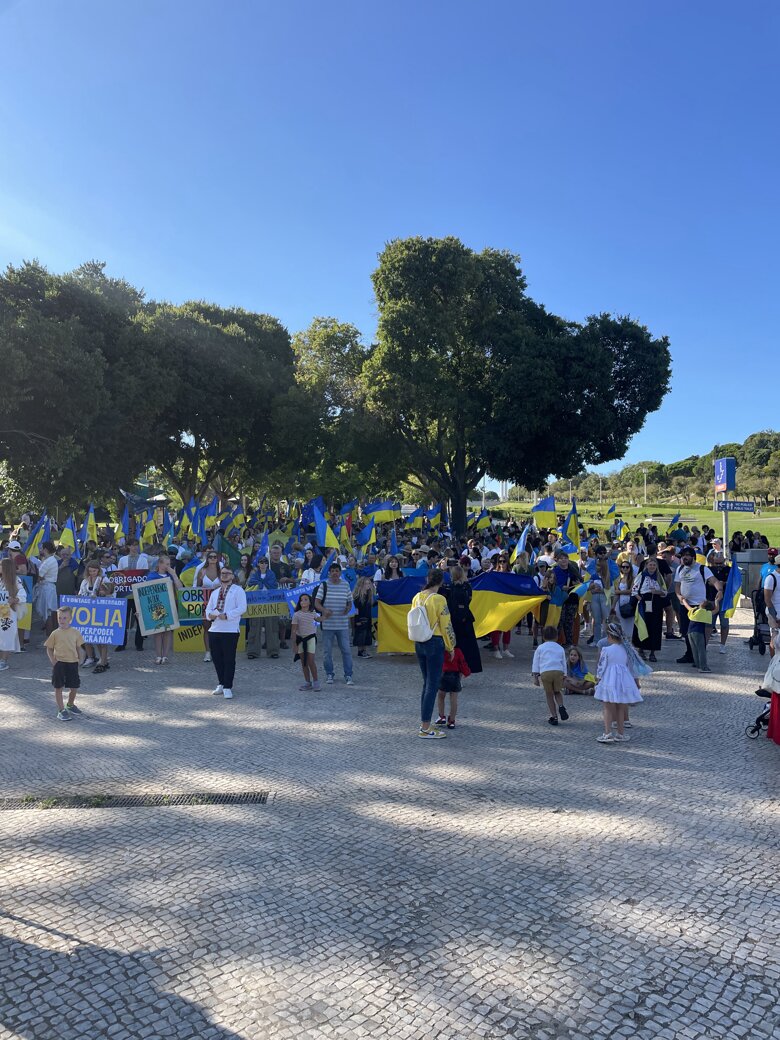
x=457, y=372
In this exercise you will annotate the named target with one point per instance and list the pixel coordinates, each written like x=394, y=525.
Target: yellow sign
x=188, y=639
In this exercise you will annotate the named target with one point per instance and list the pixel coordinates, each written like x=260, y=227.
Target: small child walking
x=548, y=669
x=64, y=648
x=450, y=683
x=304, y=635
x=701, y=619
x=616, y=686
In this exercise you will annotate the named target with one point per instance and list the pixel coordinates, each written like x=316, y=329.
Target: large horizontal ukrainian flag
x=498, y=604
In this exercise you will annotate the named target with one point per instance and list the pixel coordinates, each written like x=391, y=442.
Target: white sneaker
x=329, y=680
x=218, y=691
x=497, y=654
x=606, y=738
x=4, y=666
x=89, y=663
x=621, y=737
x=508, y=653
x=227, y=694
x=722, y=648
x=207, y=658
x=349, y=681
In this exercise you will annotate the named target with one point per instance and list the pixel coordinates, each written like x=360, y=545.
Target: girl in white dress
x=13, y=596
x=616, y=686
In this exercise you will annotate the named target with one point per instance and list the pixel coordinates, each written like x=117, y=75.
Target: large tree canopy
x=474, y=377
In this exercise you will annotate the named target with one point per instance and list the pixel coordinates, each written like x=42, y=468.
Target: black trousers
x=682, y=615
x=223, y=647
x=139, y=639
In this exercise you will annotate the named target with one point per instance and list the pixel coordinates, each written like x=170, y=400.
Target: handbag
x=628, y=610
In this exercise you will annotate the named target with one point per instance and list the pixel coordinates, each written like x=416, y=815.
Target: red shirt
x=457, y=664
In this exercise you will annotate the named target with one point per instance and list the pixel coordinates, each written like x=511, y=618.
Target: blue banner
x=99, y=619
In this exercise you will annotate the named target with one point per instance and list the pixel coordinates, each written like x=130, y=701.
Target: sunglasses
x=625, y=567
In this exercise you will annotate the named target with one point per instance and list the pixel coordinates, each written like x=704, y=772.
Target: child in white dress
x=616, y=686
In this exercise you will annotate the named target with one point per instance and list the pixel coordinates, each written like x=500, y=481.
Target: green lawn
x=768, y=523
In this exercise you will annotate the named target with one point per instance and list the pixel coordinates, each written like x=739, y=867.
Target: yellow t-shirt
x=66, y=643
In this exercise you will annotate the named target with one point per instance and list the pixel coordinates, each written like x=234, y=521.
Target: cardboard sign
x=156, y=606
x=260, y=603
x=100, y=619
x=124, y=581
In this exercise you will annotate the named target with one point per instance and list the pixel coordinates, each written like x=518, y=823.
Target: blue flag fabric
x=366, y=536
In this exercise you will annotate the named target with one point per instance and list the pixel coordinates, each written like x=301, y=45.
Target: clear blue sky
x=261, y=154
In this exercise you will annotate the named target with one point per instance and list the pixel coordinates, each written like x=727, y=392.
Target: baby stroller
x=755, y=729
x=760, y=637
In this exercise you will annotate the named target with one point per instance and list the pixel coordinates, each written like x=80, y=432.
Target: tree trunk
x=458, y=493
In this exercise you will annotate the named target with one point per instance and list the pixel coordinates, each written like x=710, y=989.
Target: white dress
x=616, y=683
x=9, y=629
x=45, y=591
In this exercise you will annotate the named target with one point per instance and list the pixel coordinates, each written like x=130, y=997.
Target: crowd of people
x=592, y=594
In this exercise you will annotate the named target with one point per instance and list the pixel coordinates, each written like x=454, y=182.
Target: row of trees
x=469, y=376
x=689, y=481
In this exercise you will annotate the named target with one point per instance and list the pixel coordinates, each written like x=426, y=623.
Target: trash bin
x=750, y=563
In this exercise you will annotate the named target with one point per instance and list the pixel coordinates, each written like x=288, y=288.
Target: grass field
x=768, y=523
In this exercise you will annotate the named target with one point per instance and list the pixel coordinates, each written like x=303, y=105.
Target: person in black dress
x=458, y=595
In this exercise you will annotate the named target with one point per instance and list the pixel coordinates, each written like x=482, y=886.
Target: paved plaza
x=514, y=880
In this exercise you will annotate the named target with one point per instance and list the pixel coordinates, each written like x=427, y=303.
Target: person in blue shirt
x=770, y=567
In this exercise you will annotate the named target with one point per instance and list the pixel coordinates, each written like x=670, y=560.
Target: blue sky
x=261, y=154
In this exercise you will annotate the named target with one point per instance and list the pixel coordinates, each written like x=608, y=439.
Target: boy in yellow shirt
x=64, y=648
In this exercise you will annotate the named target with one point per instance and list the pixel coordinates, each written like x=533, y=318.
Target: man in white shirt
x=690, y=585
x=134, y=560
x=224, y=609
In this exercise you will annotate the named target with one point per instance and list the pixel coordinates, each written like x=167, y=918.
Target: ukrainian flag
x=622, y=531
x=40, y=533
x=415, y=519
x=544, y=514
x=366, y=536
x=732, y=591
x=326, y=539
x=89, y=527
x=498, y=603
x=483, y=520
x=611, y=509
x=68, y=537
x=571, y=527
x=520, y=547
x=187, y=575
x=382, y=510
x=673, y=523
x=434, y=516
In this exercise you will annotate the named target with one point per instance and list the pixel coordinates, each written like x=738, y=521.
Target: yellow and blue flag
x=68, y=537
x=498, y=603
x=40, y=533
x=326, y=539
x=350, y=508
x=520, y=547
x=570, y=532
x=622, y=530
x=732, y=591
x=366, y=536
x=544, y=514
x=187, y=576
x=611, y=509
x=382, y=510
x=415, y=520
x=483, y=520
x=393, y=542
x=673, y=523
x=89, y=527
x=433, y=515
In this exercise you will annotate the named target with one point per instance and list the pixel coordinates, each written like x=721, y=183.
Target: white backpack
x=418, y=626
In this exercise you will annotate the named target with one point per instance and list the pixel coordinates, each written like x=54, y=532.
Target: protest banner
x=188, y=638
x=124, y=581
x=100, y=620
x=155, y=605
x=260, y=603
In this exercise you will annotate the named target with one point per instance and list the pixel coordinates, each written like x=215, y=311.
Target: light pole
x=644, y=471
x=570, y=493
x=600, y=496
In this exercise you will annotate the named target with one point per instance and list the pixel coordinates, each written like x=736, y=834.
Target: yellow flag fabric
x=498, y=604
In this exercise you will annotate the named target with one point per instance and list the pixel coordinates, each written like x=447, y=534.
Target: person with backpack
x=690, y=584
x=333, y=600
x=430, y=629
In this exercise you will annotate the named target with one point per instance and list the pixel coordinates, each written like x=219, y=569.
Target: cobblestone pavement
x=514, y=880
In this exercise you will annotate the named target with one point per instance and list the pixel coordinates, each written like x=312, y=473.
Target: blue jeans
x=698, y=644
x=600, y=611
x=430, y=657
x=341, y=636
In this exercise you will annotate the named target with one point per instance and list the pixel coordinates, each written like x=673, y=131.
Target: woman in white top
x=13, y=596
x=208, y=579
x=45, y=591
x=314, y=571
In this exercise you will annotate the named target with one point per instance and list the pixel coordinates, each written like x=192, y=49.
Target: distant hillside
x=687, y=482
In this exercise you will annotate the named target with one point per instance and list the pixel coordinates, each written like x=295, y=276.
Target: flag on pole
x=366, y=536
x=570, y=532
x=68, y=537
x=544, y=514
x=262, y=549
x=520, y=547
x=611, y=509
x=89, y=527
x=732, y=591
x=326, y=539
x=40, y=533
x=393, y=542
x=483, y=520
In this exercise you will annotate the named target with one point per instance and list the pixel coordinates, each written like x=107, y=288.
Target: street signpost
x=725, y=481
x=732, y=506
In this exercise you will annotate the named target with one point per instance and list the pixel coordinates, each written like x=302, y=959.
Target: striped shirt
x=338, y=599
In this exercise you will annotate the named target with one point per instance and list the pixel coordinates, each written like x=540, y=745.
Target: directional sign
x=736, y=507
x=725, y=474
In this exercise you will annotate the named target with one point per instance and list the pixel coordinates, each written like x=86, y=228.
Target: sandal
x=99, y=669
